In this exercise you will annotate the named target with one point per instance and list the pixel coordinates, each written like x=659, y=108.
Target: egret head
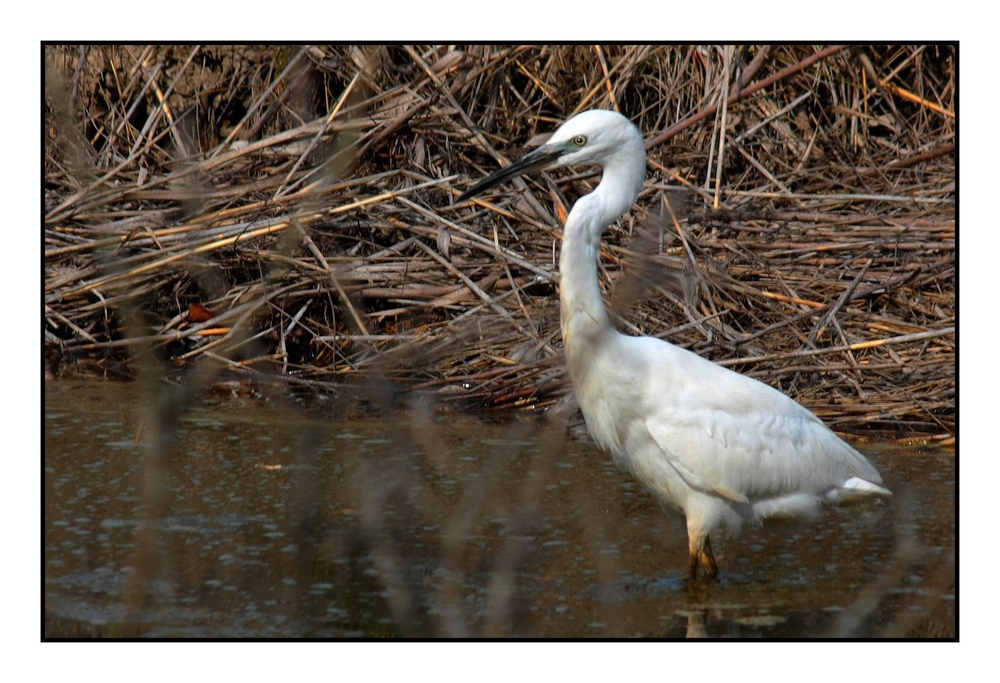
x=597, y=136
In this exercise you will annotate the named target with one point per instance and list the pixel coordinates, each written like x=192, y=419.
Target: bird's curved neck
x=584, y=318
x=585, y=324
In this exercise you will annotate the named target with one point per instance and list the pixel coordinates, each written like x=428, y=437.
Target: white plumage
x=722, y=448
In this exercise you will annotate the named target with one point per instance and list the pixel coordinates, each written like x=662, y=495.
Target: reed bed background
x=287, y=214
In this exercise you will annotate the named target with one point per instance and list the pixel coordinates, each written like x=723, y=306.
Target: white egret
x=722, y=448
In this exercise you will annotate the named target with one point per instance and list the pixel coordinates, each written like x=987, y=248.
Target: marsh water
x=247, y=517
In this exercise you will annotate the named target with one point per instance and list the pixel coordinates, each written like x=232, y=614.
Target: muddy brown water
x=276, y=521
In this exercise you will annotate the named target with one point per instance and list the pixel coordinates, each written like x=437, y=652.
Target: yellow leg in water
x=700, y=555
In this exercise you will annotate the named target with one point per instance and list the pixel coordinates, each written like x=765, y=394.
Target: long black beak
x=535, y=160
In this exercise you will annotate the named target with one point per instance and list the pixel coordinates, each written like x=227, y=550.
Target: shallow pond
x=262, y=518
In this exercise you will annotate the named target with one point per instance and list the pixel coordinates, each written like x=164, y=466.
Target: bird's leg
x=700, y=555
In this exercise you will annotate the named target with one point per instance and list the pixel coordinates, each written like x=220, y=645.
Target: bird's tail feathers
x=856, y=488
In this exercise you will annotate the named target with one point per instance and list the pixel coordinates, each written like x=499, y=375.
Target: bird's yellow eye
x=580, y=140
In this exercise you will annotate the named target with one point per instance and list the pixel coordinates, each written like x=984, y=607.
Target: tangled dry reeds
x=287, y=212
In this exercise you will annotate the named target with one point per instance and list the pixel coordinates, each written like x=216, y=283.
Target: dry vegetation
x=287, y=212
